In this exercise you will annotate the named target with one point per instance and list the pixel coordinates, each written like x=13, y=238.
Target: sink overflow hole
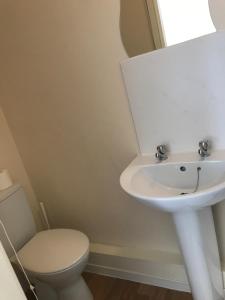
x=182, y=169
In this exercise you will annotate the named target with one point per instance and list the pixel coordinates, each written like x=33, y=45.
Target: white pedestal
x=198, y=243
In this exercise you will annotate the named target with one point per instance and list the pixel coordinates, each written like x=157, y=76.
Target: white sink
x=187, y=187
x=171, y=185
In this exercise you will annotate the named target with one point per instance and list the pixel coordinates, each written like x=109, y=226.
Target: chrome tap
x=203, y=150
x=161, y=153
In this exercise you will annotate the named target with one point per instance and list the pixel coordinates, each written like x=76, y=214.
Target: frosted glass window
x=183, y=20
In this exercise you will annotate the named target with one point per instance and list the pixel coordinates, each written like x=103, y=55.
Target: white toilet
x=54, y=259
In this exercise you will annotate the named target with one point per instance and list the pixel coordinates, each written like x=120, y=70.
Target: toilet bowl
x=53, y=259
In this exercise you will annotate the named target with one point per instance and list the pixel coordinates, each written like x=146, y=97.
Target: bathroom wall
x=11, y=160
x=62, y=92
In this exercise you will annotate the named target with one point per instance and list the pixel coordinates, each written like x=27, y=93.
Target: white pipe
x=10, y=287
x=44, y=213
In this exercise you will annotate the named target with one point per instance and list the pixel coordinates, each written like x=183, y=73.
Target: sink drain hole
x=182, y=168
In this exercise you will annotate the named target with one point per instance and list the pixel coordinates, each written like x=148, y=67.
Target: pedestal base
x=198, y=243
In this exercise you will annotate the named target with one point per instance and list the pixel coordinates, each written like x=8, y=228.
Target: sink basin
x=187, y=187
x=178, y=183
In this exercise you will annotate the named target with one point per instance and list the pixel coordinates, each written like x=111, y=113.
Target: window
x=182, y=20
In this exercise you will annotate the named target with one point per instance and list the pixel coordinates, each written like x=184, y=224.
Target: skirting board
x=153, y=268
x=137, y=277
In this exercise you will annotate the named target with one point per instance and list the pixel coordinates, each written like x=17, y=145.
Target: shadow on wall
x=135, y=27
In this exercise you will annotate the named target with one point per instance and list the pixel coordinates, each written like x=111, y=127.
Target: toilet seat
x=54, y=251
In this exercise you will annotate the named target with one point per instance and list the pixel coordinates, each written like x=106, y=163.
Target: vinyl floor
x=107, y=288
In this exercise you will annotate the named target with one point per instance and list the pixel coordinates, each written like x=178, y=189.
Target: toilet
x=53, y=259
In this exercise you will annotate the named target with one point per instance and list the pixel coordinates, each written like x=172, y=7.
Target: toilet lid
x=54, y=250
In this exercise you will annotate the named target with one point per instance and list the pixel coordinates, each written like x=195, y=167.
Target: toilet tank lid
x=6, y=193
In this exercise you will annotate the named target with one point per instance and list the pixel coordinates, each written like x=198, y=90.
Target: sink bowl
x=179, y=183
x=187, y=187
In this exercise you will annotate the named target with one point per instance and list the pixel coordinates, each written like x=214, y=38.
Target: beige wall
x=11, y=160
x=135, y=27
x=63, y=96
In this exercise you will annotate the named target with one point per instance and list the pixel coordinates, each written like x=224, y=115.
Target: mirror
x=147, y=25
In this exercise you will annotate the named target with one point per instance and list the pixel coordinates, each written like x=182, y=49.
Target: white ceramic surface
x=164, y=185
x=71, y=246
x=197, y=239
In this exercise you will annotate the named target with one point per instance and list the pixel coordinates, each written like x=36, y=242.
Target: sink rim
x=141, y=161
x=125, y=183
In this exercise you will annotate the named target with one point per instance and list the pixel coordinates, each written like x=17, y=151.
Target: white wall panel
x=177, y=94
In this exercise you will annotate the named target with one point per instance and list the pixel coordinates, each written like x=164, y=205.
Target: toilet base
x=76, y=291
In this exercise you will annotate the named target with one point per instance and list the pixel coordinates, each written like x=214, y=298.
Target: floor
x=107, y=288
